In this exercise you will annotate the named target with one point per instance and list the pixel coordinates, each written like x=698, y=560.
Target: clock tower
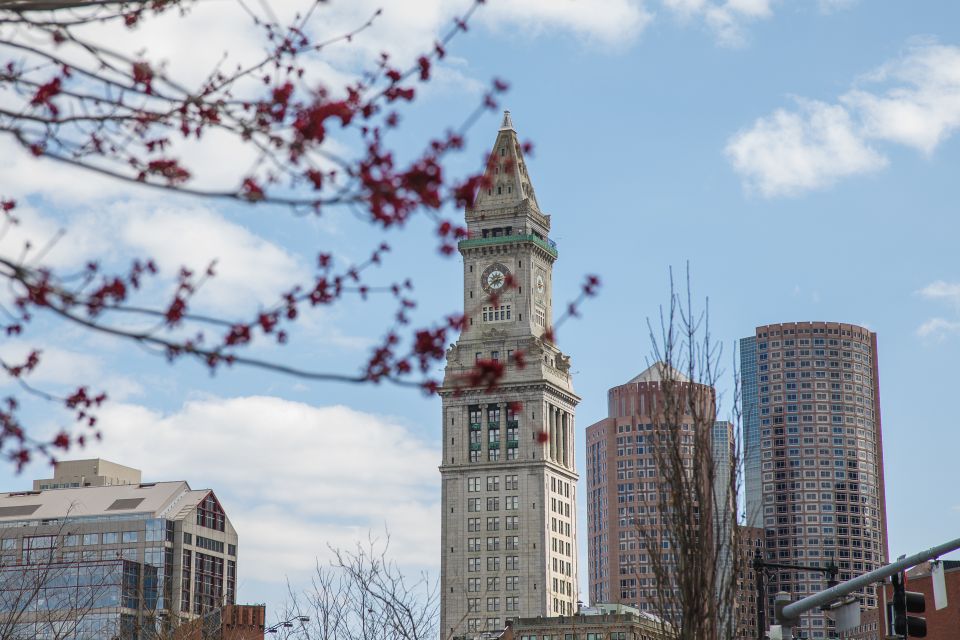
x=508, y=526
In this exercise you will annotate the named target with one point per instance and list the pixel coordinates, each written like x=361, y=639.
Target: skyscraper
x=626, y=488
x=814, y=454
x=508, y=527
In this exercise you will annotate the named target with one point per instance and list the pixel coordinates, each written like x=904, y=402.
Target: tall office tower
x=624, y=483
x=509, y=485
x=814, y=394
x=111, y=558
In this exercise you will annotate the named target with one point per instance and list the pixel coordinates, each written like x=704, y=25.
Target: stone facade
x=508, y=527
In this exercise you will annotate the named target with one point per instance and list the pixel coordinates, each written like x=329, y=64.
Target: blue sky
x=802, y=156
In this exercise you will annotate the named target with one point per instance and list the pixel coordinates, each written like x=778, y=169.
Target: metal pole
x=786, y=630
x=790, y=613
x=759, y=572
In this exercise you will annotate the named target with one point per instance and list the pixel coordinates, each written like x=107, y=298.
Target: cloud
x=607, y=22
x=940, y=290
x=829, y=6
x=922, y=107
x=65, y=368
x=788, y=152
x=250, y=270
x=59, y=366
x=938, y=328
x=728, y=19
x=913, y=101
x=322, y=475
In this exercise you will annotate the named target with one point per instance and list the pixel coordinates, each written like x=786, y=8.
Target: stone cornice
x=541, y=386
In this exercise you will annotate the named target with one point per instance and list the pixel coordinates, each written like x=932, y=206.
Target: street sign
x=939, y=586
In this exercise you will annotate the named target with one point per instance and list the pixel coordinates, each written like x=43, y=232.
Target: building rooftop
x=156, y=499
x=657, y=372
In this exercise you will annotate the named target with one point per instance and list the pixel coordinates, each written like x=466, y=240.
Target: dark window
x=210, y=514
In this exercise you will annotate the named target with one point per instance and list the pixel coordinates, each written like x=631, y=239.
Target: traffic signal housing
x=905, y=602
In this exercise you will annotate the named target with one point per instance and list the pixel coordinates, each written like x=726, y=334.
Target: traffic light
x=907, y=602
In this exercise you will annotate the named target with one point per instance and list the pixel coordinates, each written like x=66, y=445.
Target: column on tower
x=565, y=445
x=556, y=434
x=552, y=454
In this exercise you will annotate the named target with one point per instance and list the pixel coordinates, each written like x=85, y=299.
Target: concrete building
x=111, y=559
x=814, y=455
x=70, y=474
x=624, y=485
x=600, y=622
x=508, y=530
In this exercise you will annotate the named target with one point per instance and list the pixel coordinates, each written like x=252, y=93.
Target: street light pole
x=761, y=567
x=788, y=613
x=286, y=624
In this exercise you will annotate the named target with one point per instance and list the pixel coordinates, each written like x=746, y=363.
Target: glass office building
x=104, y=561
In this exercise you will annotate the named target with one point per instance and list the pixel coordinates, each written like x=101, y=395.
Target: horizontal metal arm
x=793, y=610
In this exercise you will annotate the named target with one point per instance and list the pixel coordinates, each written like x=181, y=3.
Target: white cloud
x=829, y=6
x=608, y=22
x=728, y=19
x=922, y=107
x=788, y=152
x=938, y=328
x=321, y=475
x=913, y=101
x=59, y=366
x=249, y=269
x=939, y=290
x=65, y=368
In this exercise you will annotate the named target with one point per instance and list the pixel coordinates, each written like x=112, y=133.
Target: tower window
x=541, y=317
x=496, y=314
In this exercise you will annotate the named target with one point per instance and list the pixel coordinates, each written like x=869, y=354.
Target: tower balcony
x=546, y=244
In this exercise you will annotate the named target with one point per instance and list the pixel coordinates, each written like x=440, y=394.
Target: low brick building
x=232, y=622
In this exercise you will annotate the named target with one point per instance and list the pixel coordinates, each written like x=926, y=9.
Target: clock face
x=540, y=285
x=494, y=277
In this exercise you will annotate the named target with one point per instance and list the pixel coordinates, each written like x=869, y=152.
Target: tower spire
x=506, y=172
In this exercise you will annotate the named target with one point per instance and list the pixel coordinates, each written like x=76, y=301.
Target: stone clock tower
x=509, y=485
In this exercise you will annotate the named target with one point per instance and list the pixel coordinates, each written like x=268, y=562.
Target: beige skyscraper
x=509, y=483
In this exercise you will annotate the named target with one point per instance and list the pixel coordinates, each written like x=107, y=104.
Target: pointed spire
x=658, y=372
x=509, y=182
